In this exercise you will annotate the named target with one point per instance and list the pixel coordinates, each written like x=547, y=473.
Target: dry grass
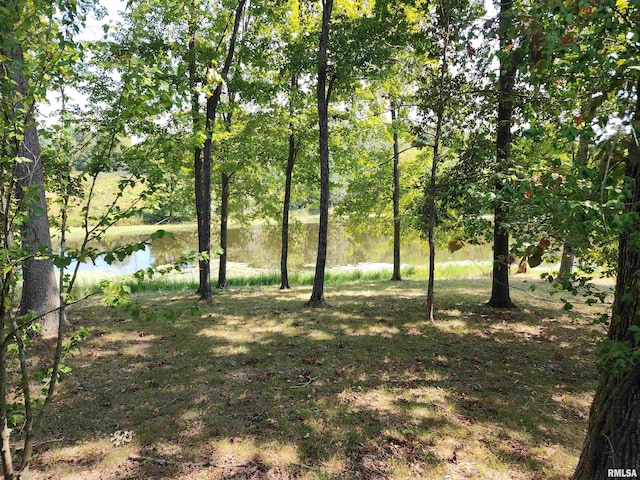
x=266, y=388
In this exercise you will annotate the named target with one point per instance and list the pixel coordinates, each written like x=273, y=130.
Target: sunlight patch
x=383, y=331
x=335, y=466
x=379, y=400
x=236, y=448
x=276, y=454
x=229, y=350
x=235, y=335
x=320, y=336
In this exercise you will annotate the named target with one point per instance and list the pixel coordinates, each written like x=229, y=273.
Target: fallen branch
x=44, y=442
x=160, y=461
x=302, y=385
x=179, y=397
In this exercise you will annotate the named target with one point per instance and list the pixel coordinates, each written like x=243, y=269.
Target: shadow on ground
x=262, y=387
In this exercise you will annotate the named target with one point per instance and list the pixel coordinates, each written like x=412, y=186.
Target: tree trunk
x=204, y=236
x=5, y=443
x=225, y=183
x=291, y=161
x=500, y=296
x=613, y=434
x=224, y=220
x=566, y=261
x=7, y=462
x=323, y=94
x=39, y=289
x=440, y=108
x=396, y=276
x=203, y=211
x=203, y=166
x=582, y=157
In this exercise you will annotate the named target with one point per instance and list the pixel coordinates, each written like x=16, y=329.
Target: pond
x=256, y=249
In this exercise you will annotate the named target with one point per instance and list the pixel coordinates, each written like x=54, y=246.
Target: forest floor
x=258, y=386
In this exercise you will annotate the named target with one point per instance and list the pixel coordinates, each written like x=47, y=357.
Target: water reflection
x=258, y=247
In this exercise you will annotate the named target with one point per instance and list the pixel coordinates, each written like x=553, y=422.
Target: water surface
x=257, y=249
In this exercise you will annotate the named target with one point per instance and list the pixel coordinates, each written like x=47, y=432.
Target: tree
x=294, y=148
x=613, y=436
x=202, y=165
x=225, y=183
x=608, y=39
x=295, y=65
x=500, y=296
x=326, y=78
x=396, y=275
x=40, y=291
x=443, y=12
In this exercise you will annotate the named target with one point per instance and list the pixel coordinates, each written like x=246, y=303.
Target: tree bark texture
x=613, y=434
x=396, y=275
x=500, y=296
x=323, y=95
x=203, y=166
x=39, y=289
x=204, y=236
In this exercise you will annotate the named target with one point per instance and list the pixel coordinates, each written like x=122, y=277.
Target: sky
x=90, y=33
x=93, y=29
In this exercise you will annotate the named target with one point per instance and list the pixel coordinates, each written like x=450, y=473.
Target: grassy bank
x=134, y=227
x=188, y=280
x=256, y=385
x=76, y=234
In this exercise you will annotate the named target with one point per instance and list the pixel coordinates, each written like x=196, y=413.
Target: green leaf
x=535, y=260
x=160, y=234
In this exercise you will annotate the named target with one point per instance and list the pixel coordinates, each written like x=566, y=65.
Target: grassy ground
x=263, y=387
x=187, y=279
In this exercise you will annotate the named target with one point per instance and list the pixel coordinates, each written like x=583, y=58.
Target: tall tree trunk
x=396, y=199
x=5, y=442
x=323, y=95
x=5, y=327
x=203, y=166
x=500, y=296
x=204, y=236
x=39, y=289
x=286, y=205
x=613, y=435
x=225, y=184
x=224, y=231
x=581, y=159
x=434, y=165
